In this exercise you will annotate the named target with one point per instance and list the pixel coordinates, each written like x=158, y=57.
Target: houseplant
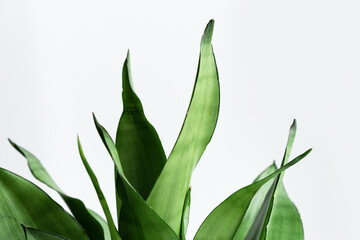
x=152, y=191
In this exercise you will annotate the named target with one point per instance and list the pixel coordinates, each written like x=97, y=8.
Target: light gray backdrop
x=277, y=60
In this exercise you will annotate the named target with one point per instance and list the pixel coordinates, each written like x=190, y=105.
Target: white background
x=277, y=60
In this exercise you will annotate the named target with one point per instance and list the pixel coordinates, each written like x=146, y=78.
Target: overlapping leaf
x=168, y=195
x=138, y=144
x=23, y=202
x=224, y=221
x=278, y=218
x=113, y=232
x=83, y=215
x=138, y=221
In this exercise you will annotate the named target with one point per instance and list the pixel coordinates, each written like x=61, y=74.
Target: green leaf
x=185, y=215
x=103, y=224
x=92, y=227
x=140, y=150
x=168, y=195
x=224, y=221
x=36, y=234
x=113, y=232
x=138, y=221
x=23, y=202
x=286, y=223
x=258, y=201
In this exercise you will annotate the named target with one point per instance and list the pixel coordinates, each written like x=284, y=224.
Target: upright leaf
x=168, y=195
x=113, y=232
x=224, y=221
x=138, y=144
x=91, y=225
x=23, y=202
x=138, y=221
x=286, y=222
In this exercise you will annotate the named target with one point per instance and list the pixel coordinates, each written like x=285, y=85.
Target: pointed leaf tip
x=208, y=32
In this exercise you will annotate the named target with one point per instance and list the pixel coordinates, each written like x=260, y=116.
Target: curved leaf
x=224, y=221
x=23, y=202
x=138, y=221
x=138, y=144
x=168, y=195
x=113, y=232
x=92, y=227
x=255, y=223
x=286, y=221
x=103, y=224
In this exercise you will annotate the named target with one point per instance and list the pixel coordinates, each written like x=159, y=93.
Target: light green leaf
x=23, y=202
x=185, y=215
x=286, y=223
x=36, y=234
x=138, y=221
x=113, y=232
x=224, y=221
x=256, y=203
x=140, y=150
x=168, y=195
x=92, y=227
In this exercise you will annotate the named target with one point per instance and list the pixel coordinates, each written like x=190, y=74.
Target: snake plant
x=152, y=191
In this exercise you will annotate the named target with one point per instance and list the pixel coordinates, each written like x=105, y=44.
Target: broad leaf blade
x=168, y=195
x=113, y=232
x=224, y=221
x=23, y=202
x=92, y=227
x=138, y=221
x=138, y=144
x=36, y=234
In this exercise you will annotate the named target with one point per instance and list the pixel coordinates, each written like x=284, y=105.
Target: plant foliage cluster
x=152, y=191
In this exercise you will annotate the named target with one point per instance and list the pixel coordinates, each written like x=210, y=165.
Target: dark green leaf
x=113, y=233
x=138, y=221
x=92, y=227
x=224, y=221
x=103, y=224
x=36, y=234
x=168, y=195
x=23, y=202
x=141, y=153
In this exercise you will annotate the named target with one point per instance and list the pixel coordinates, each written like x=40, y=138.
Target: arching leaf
x=23, y=202
x=92, y=227
x=168, y=195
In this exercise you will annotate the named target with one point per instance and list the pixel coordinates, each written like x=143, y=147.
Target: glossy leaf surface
x=91, y=225
x=141, y=153
x=23, y=202
x=113, y=232
x=138, y=221
x=168, y=195
x=224, y=221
